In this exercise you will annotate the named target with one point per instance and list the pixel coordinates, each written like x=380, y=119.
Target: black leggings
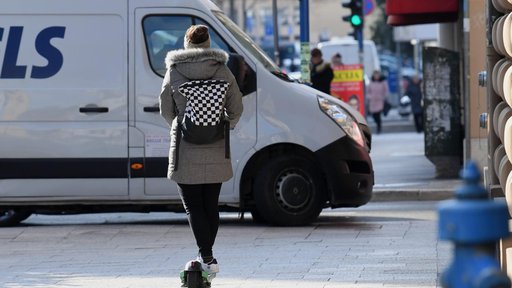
x=378, y=121
x=201, y=202
x=418, y=122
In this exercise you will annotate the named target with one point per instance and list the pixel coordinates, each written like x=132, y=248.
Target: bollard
x=474, y=223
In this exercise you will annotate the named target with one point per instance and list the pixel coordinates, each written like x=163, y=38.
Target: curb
x=383, y=195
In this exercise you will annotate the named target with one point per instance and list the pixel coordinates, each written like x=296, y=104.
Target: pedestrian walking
x=376, y=94
x=201, y=168
x=336, y=60
x=321, y=72
x=416, y=96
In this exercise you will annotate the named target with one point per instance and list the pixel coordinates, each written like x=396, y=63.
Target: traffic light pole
x=360, y=39
x=359, y=35
x=356, y=20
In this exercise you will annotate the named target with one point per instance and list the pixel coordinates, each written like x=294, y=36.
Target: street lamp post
x=304, y=40
x=276, y=32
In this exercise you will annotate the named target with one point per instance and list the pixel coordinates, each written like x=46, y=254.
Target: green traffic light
x=356, y=20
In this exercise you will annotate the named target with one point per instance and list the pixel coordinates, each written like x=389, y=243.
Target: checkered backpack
x=204, y=113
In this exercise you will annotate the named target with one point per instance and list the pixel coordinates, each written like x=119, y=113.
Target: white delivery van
x=349, y=50
x=80, y=129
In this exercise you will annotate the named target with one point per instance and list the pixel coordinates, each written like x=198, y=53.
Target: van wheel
x=288, y=191
x=12, y=217
x=257, y=217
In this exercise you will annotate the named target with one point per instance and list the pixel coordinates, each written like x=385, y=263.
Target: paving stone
x=338, y=251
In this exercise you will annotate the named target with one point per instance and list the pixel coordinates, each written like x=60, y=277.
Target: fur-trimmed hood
x=195, y=55
x=196, y=63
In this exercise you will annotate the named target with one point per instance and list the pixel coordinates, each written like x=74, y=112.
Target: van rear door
x=63, y=99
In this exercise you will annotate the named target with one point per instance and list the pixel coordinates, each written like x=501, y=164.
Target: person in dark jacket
x=202, y=167
x=336, y=60
x=415, y=94
x=321, y=72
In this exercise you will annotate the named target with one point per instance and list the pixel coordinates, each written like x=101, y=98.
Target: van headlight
x=342, y=118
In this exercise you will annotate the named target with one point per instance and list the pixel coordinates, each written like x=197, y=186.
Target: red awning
x=409, y=12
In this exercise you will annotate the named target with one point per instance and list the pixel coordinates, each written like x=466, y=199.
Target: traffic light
x=355, y=19
x=499, y=97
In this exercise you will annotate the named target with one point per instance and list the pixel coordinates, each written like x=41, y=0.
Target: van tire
x=288, y=191
x=257, y=217
x=12, y=217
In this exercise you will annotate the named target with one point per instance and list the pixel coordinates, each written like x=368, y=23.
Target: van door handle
x=93, y=109
x=151, y=109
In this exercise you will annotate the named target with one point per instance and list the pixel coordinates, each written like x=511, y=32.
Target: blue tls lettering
x=48, y=51
x=10, y=69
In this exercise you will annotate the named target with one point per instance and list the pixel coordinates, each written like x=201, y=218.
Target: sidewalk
x=402, y=172
x=393, y=122
x=387, y=244
x=435, y=190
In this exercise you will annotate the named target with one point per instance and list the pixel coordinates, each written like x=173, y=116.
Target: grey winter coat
x=198, y=164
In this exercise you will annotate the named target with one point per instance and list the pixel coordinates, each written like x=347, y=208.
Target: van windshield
x=250, y=46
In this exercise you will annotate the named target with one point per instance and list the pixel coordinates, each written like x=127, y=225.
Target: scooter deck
x=202, y=278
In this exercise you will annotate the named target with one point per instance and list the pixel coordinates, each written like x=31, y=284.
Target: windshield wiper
x=283, y=76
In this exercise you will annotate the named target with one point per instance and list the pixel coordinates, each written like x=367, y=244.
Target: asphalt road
x=386, y=244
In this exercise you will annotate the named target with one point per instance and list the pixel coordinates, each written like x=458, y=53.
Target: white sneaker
x=210, y=268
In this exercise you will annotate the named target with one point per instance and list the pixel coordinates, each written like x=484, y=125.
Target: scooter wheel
x=194, y=279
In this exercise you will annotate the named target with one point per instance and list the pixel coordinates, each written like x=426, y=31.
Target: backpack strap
x=177, y=152
x=227, y=147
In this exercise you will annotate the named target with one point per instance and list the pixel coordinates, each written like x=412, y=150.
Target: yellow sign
x=348, y=85
x=350, y=75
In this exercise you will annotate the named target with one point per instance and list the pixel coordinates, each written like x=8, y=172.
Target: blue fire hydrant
x=474, y=223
